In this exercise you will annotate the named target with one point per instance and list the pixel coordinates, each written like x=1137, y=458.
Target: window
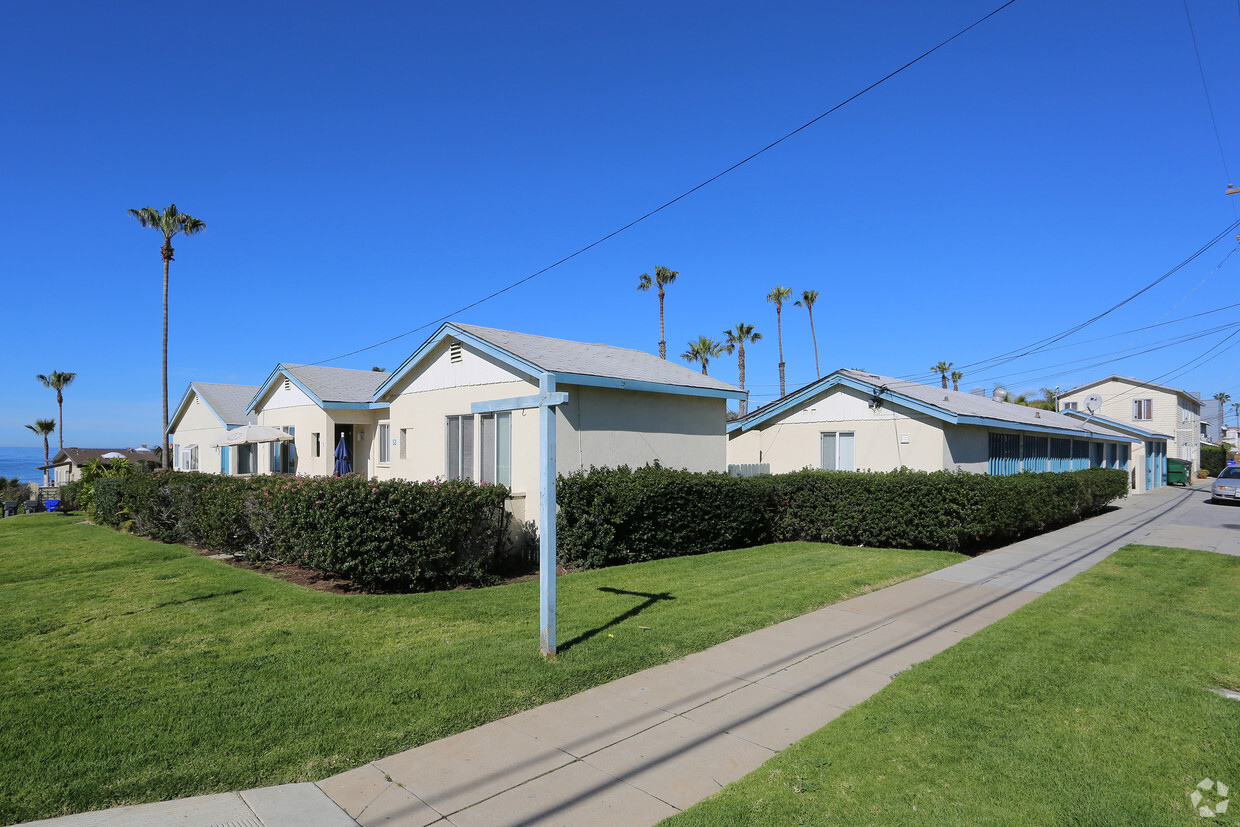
x=1071, y=406
x=189, y=458
x=837, y=451
x=317, y=441
x=460, y=448
x=247, y=459
x=176, y=456
x=497, y=449
x=283, y=454
x=404, y=441
x=1143, y=409
x=385, y=443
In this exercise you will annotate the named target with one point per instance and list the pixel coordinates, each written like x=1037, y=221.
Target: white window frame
x=459, y=459
x=1071, y=406
x=385, y=443
x=189, y=457
x=176, y=456
x=1140, y=406
x=495, y=446
x=839, y=458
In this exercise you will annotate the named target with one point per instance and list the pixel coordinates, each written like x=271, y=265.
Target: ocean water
x=23, y=462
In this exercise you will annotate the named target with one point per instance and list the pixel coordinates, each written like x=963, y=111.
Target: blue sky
x=366, y=170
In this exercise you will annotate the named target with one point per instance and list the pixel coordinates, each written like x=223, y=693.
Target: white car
x=1226, y=487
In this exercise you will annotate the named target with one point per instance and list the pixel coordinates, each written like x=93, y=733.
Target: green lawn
x=1088, y=706
x=132, y=671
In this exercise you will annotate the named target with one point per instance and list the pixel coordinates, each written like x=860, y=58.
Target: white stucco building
x=1156, y=408
x=852, y=421
x=207, y=411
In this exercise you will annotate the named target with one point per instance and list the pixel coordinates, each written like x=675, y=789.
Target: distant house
x=1156, y=408
x=625, y=407
x=207, y=411
x=66, y=466
x=852, y=420
x=321, y=408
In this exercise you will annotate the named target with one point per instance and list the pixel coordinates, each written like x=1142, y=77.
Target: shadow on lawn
x=650, y=600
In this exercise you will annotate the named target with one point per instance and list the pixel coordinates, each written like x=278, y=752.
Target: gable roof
x=227, y=402
x=575, y=363
x=81, y=456
x=328, y=387
x=953, y=407
x=1115, y=377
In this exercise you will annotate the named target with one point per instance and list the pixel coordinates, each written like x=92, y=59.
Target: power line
x=680, y=197
x=1209, y=103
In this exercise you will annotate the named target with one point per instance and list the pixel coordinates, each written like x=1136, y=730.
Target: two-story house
x=1146, y=405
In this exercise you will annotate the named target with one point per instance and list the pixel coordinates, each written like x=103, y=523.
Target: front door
x=343, y=434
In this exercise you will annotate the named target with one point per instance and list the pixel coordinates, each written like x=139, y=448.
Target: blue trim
x=271, y=382
x=184, y=405
x=1036, y=429
x=650, y=387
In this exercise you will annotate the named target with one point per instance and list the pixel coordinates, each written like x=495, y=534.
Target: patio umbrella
x=247, y=434
x=343, y=466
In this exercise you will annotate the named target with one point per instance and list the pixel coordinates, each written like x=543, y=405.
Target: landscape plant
x=58, y=380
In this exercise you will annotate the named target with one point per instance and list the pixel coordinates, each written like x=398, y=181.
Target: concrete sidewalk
x=646, y=746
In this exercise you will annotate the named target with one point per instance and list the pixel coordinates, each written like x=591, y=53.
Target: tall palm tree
x=807, y=301
x=1223, y=398
x=168, y=223
x=1236, y=407
x=777, y=297
x=956, y=377
x=662, y=278
x=44, y=427
x=737, y=337
x=703, y=350
x=943, y=369
x=58, y=380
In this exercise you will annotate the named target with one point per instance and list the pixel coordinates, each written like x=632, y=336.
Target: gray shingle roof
x=228, y=401
x=968, y=404
x=337, y=384
x=564, y=356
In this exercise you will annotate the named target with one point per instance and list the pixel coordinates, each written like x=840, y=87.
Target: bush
x=70, y=496
x=612, y=516
x=1213, y=459
x=14, y=490
x=608, y=517
x=390, y=535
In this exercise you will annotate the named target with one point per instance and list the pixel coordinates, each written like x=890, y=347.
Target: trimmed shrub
x=390, y=535
x=613, y=516
x=1213, y=459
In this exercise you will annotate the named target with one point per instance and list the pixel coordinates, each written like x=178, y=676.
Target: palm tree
x=777, y=297
x=44, y=427
x=1236, y=407
x=943, y=369
x=737, y=337
x=662, y=278
x=807, y=301
x=956, y=377
x=1223, y=399
x=703, y=350
x=58, y=380
x=168, y=223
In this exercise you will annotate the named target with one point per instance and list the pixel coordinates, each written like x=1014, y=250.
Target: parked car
x=1226, y=486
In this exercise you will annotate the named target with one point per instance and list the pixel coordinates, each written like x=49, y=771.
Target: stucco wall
x=199, y=426
x=793, y=441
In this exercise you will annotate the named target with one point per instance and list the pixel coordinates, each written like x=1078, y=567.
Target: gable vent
x=288, y=385
x=454, y=353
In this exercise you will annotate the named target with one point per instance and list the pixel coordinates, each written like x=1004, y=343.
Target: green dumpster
x=1177, y=471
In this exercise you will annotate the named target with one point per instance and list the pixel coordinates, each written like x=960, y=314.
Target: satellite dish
x=1093, y=402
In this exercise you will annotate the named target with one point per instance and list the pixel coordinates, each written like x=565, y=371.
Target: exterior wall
x=288, y=406
x=598, y=426
x=967, y=448
x=1172, y=414
x=793, y=442
x=609, y=427
x=199, y=426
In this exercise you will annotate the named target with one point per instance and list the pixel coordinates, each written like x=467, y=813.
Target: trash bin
x=1177, y=471
x=31, y=506
x=51, y=505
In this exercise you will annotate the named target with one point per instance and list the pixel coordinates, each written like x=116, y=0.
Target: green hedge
x=391, y=535
x=613, y=516
x=1213, y=459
